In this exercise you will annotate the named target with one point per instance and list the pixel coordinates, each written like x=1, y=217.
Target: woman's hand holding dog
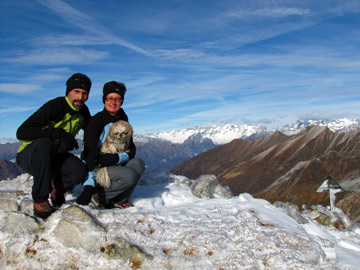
x=106, y=160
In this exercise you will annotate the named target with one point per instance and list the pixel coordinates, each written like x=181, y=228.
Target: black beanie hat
x=114, y=87
x=78, y=80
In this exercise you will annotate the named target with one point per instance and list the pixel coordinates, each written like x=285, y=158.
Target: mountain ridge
x=282, y=167
x=226, y=133
x=166, y=150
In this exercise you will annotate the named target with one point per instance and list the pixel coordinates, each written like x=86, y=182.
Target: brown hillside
x=218, y=159
x=280, y=167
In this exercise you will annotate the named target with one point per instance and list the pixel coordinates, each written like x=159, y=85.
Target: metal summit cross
x=333, y=187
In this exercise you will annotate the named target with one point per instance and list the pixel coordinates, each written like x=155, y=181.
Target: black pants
x=65, y=170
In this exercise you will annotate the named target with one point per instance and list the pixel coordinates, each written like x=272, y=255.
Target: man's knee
x=36, y=156
x=79, y=171
x=42, y=146
x=75, y=170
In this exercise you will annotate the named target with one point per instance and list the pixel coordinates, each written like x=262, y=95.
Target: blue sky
x=185, y=63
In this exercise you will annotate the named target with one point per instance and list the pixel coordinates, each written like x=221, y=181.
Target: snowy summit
x=337, y=125
x=180, y=231
x=218, y=134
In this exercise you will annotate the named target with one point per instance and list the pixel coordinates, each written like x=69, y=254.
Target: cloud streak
x=57, y=56
x=277, y=12
x=18, y=88
x=87, y=23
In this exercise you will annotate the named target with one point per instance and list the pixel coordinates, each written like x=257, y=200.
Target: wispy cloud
x=18, y=88
x=268, y=12
x=87, y=23
x=310, y=56
x=145, y=81
x=48, y=75
x=69, y=40
x=73, y=16
x=16, y=109
x=56, y=56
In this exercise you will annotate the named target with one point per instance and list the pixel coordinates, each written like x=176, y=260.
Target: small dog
x=117, y=140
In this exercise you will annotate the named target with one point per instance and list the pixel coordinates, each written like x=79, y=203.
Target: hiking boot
x=57, y=198
x=43, y=209
x=96, y=202
x=122, y=205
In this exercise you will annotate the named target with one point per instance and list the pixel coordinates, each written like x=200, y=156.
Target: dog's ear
x=111, y=133
x=130, y=130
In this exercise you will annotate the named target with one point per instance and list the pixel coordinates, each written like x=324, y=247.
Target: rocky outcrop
x=18, y=223
x=207, y=186
x=78, y=229
x=351, y=205
x=291, y=210
x=324, y=216
x=75, y=228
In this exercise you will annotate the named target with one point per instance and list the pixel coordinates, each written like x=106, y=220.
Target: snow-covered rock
x=208, y=186
x=170, y=228
x=291, y=210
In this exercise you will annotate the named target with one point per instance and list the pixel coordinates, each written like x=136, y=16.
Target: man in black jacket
x=47, y=136
x=124, y=169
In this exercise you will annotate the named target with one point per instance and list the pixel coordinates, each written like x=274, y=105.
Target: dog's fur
x=117, y=140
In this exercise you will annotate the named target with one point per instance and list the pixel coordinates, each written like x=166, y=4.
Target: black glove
x=106, y=160
x=69, y=140
x=85, y=196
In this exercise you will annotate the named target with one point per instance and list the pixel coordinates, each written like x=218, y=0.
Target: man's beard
x=78, y=101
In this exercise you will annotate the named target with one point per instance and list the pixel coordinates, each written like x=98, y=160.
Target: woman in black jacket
x=124, y=169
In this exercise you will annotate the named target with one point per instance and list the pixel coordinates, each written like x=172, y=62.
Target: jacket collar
x=110, y=118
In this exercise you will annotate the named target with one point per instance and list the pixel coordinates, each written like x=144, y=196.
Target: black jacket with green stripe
x=48, y=121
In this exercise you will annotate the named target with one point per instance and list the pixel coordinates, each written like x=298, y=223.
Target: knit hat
x=78, y=80
x=114, y=87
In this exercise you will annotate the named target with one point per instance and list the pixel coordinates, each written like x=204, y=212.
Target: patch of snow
x=182, y=231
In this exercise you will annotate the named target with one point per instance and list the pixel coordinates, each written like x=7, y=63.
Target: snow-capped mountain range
x=339, y=125
x=226, y=133
x=218, y=134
